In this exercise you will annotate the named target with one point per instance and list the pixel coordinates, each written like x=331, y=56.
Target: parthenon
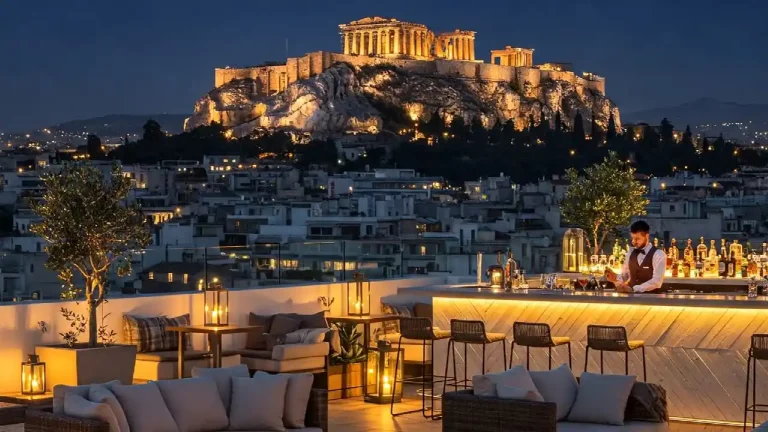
x=388, y=37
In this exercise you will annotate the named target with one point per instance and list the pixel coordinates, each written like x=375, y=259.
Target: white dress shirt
x=659, y=266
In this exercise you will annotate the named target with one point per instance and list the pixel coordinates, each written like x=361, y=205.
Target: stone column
x=466, y=48
x=472, y=49
x=370, y=43
x=346, y=43
x=382, y=49
x=397, y=41
x=425, y=50
x=412, y=42
x=460, y=48
x=358, y=43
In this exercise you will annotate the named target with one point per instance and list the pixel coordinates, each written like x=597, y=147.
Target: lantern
x=216, y=304
x=359, y=296
x=496, y=276
x=32, y=376
x=381, y=386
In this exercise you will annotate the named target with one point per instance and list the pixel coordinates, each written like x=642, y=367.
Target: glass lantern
x=33, y=376
x=495, y=274
x=359, y=296
x=216, y=304
x=381, y=388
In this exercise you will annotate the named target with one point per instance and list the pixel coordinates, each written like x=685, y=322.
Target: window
x=186, y=278
x=151, y=276
x=170, y=277
x=423, y=250
x=226, y=160
x=368, y=229
x=31, y=268
x=671, y=208
x=525, y=249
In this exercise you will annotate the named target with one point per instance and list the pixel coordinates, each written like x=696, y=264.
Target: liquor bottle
x=656, y=242
x=744, y=273
x=688, y=253
x=713, y=259
x=701, y=250
x=738, y=252
x=686, y=269
x=700, y=265
x=723, y=249
x=752, y=270
x=674, y=253
x=723, y=267
x=732, y=265
x=675, y=269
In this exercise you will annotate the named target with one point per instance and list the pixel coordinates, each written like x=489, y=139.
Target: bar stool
x=419, y=329
x=537, y=335
x=470, y=333
x=612, y=338
x=758, y=350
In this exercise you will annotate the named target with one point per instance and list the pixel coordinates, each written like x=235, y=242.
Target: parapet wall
x=274, y=79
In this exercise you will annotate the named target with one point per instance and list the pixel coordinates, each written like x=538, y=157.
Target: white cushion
x=79, y=407
x=630, y=426
x=298, y=351
x=99, y=393
x=518, y=376
x=258, y=403
x=601, y=399
x=223, y=379
x=558, y=386
x=145, y=408
x=195, y=404
x=512, y=392
x=60, y=390
x=306, y=336
x=296, y=398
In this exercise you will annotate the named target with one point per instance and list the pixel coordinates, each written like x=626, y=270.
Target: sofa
x=544, y=401
x=214, y=400
x=272, y=349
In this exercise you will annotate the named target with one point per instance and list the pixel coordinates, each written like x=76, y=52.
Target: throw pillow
x=647, y=402
x=558, y=386
x=518, y=376
x=195, y=404
x=258, y=403
x=282, y=325
x=512, y=392
x=99, y=393
x=315, y=321
x=393, y=327
x=145, y=408
x=223, y=379
x=273, y=340
x=78, y=407
x=61, y=390
x=255, y=338
x=306, y=336
x=146, y=333
x=171, y=338
x=601, y=399
x=296, y=398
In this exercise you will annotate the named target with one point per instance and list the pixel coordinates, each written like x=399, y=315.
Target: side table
x=214, y=339
x=13, y=406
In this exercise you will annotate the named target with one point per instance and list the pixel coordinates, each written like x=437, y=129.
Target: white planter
x=81, y=365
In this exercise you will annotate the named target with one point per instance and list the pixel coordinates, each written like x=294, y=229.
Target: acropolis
x=413, y=47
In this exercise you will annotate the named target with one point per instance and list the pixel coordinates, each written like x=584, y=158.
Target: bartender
x=643, y=269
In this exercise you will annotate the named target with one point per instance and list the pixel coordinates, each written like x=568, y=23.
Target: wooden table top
x=362, y=319
x=228, y=329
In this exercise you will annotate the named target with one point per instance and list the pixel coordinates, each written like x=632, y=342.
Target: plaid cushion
x=171, y=339
x=146, y=333
x=392, y=327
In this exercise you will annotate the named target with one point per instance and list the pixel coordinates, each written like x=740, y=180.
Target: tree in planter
x=89, y=229
x=603, y=199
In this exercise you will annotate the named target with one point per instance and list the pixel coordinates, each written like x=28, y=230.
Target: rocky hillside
x=344, y=99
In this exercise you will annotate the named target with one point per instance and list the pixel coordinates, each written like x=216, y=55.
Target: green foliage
x=351, y=347
x=89, y=230
x=603, y=199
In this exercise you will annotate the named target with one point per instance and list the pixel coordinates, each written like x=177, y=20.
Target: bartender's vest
x=643, y=272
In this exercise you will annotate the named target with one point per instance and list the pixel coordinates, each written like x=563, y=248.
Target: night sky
x=71, y=59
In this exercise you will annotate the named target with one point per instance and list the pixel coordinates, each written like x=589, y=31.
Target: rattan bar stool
x=470, y=333
x=612, y=338
x=420, y=329
x=537, y=335
x=758, y=350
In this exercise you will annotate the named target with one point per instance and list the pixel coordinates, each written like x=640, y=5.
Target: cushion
x=630, y=426
x=258, y=403
x=60, y=390
x=171, y=356
x=422, y=310
x=518, y=376
x=145, y=408
x=79, y=407
x=223, y=379
x=647, y=402
x=601, y=399
x=334, y=338
x=295, y=351
x=171, y=338
x=195, y=404
x=558, y=386
x=512, y=392
x=283, y=324
x=314, y=321
x=273, y=341
x=394, y=309
x=296, y=398
x=255, y=339
x=306, y=336
x=99, y=393
x=146, y=333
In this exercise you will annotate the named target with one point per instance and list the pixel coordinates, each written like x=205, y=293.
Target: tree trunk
x=93, y=324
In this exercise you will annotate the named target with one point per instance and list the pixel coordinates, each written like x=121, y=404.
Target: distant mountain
x=702, y=112
x=121, y=124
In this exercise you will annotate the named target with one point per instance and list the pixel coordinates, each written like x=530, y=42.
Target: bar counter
x=696, y=344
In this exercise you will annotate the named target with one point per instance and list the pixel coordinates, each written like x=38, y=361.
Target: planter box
x=81, y=365
x=345, y=381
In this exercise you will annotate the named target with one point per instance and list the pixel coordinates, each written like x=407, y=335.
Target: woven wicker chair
x=470, y=333
x=537, y=335
x=612, y=338
x=758, y=350
x=463, y=411
x=420, y=329
x=41, y=421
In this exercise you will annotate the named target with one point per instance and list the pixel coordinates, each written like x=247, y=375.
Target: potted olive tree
x=90, y=230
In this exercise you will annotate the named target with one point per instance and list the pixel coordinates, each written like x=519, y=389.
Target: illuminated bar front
x=696, y=344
